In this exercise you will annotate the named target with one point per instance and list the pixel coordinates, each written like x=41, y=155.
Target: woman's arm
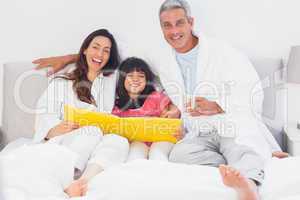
x=61, y=129
x=49, y=111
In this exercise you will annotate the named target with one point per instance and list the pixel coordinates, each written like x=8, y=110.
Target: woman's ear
x=84, y=52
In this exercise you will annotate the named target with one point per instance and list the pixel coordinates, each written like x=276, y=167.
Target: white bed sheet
x=42, y=171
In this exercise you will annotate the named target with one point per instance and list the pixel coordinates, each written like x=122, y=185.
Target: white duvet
x=41, y=171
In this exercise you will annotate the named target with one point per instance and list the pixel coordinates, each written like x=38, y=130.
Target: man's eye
x=180, y=23
x=167, y=25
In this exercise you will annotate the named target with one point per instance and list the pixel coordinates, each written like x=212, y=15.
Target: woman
x=90, y=85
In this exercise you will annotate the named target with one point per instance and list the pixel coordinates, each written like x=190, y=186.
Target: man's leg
x=201, y=150
x=242, y=158
x=244, y=170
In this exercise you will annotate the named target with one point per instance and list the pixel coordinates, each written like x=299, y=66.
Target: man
x=207, y=148
x=196, y=60
x=205, y=63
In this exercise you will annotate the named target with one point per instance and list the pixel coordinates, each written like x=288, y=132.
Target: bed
x=46, y=168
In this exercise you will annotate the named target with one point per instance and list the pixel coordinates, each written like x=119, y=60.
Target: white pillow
x=37, y=171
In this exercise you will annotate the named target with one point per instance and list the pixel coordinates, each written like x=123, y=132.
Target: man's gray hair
x=173, y=4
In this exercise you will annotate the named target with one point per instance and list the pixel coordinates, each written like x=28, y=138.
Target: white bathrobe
x=60, y=92
x=87, y=142
x=226, y=76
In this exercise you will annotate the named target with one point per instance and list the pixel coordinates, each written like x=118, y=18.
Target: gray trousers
x=212, y=150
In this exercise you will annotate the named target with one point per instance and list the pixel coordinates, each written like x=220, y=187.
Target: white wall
x=33, y=28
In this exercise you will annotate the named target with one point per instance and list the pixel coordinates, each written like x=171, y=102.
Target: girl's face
x=135, y=82
x=97, y=54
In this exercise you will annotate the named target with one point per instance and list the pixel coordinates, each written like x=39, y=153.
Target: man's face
x=177, y=29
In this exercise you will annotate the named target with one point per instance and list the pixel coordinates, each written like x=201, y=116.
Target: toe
x=230, y=170
x=84, y=190
x=82, y=181
x=236, y=173
x=222, y=169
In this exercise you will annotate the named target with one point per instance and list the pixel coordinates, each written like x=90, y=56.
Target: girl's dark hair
x=132, y=64
x=81, y=84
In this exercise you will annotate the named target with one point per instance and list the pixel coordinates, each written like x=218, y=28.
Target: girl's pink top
x=153, y=106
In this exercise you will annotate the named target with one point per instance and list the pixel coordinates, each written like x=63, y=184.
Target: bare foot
x=77, y=188
x=246, y=188
x=280, y=154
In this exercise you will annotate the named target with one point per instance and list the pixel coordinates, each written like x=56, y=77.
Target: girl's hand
x=179, y=134
x=171, y=111
x=62, y=128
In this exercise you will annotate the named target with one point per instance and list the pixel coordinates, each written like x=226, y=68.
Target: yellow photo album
x=145, y=129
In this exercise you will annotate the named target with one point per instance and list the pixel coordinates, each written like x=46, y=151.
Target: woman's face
x=135, y=82
x=98, y=52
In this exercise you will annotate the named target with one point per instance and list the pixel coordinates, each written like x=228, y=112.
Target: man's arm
x=56, y=63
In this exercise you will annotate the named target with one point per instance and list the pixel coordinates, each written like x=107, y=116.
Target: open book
x=145, y=129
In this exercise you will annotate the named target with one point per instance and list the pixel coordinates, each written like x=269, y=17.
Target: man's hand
x=62, y=128
x=203, y=107
x=56, y=63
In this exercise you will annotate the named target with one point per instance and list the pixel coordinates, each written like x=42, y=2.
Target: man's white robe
x=226, y=76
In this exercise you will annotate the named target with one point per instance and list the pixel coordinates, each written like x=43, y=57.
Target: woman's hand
x=61, y=129
x=56, y=63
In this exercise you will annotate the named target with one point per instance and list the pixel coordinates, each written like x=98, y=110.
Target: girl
x=137, y=97
x=94, y=76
